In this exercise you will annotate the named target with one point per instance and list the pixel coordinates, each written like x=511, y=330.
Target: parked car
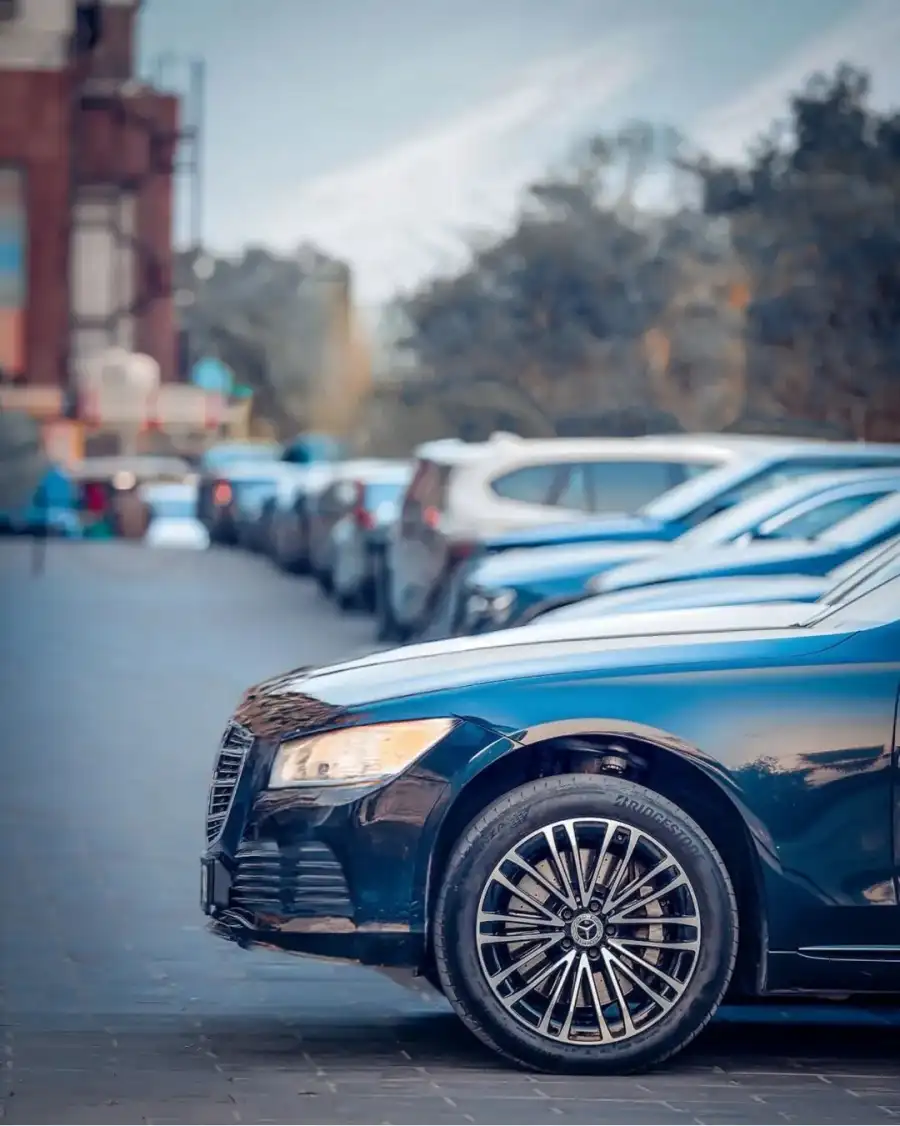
x=173, y=519
x=844, y=540
x=587, y=834
x=327, y=506
x=460, y=494
x=107, y=488
x=754, y=590
x=515, y=586
x=358, y=536
x=236, y=498
x=747, y=466
x=288, y=523
x=217, y=463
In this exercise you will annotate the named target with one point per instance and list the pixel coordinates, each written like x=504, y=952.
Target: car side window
x=533, y=484
x=809, y=524
x=574, y=490
x=626, y=486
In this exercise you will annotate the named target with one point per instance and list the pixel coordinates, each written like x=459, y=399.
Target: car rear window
x=533, y=484
x=427, y=492
x=379, y=492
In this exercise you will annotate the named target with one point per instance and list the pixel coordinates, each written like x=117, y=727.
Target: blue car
x=762, y=465
x=587, y=835
x=508, y=588
x=796, y=589
x=835, y=545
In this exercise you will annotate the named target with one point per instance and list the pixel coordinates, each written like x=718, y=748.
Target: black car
x=587, y=834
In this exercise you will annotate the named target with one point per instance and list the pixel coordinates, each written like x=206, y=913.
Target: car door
x=836, y=898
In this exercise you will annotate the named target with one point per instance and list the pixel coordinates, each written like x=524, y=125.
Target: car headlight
x=496, y=606
x=500, y=605
x=355, y=754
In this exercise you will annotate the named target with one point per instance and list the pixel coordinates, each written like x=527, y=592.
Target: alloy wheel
x=588, y=931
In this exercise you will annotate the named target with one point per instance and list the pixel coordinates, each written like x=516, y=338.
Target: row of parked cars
x=652, y=764
x=467, y=538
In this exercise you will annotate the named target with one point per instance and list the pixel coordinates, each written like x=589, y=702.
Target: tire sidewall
x=510, y=822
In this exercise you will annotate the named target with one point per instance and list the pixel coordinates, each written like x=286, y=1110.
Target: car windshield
x=873, y=602
x=881, y=518
x=861, y=569
x=383, y=492
x=172, y=508
x=250, y=492
x=742, y=518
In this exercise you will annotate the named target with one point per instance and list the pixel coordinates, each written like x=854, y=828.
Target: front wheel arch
x=673, y=773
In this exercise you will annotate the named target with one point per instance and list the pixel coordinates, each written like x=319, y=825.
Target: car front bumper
x=335, y=871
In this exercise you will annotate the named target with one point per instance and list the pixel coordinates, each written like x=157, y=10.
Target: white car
x=461, y=491
x=173, y=517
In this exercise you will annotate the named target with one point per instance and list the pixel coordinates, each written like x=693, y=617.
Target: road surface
x=120, y=667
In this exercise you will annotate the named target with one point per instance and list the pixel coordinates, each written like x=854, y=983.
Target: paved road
x=120, y=667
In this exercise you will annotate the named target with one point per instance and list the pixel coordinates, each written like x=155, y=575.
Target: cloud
x=869, y=38
x=404, y=213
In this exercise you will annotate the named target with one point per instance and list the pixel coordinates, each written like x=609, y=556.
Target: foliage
x=774, y=304
x=268, y=318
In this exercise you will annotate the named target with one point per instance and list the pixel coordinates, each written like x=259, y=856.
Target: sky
x=387, y=132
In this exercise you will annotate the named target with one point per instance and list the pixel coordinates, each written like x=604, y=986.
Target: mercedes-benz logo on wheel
x=587, y=930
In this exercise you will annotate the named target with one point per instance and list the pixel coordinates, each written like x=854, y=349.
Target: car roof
x=370, y=469
x=141, y=465
x=256, y=471
x=451, y=452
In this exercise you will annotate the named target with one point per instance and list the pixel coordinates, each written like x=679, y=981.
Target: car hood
x=518, y=568
x=700, y=593
x=679, y=564
x=659, y=641
x=611, y=526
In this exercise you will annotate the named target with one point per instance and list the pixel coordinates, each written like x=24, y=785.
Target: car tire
x=700, y=964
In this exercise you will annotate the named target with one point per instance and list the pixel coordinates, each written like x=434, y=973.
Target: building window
x=13, y=280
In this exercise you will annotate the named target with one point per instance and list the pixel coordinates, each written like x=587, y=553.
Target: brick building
x=86, y=196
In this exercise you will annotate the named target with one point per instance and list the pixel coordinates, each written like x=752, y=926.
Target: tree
x=270, y=319
x=816, y=220
x=556, y=308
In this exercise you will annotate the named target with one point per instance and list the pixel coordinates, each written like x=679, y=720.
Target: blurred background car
x=235, y=499
x=109, y=501
x=359, y=535
x=288, y=537
x=821, y=553
x=461, y=493
x=217, y=463
x=509, y=588
x=173, y=523
x=340, y=496
x=754, y=466
x=828, y=588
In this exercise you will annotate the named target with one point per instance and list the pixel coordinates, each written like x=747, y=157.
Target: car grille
x=303, y=880
x=233, y=749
